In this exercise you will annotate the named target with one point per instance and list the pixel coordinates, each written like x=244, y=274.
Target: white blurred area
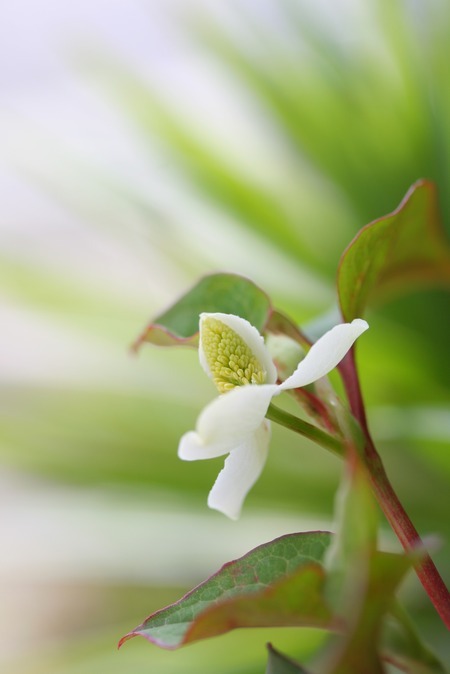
x=61, y=546
x=63, y=148
x=62, y=137
x=98, y=232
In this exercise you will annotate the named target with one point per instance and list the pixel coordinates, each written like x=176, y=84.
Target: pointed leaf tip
x=278, y=583
x=127, y=637
x=406, y=248
x=278, y=663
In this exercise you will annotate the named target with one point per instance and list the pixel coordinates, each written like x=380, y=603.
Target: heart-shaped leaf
x=404, y=249
x=226, y=293
x=278, y=583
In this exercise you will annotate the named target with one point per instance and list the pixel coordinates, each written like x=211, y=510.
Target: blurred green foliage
x=347, y=120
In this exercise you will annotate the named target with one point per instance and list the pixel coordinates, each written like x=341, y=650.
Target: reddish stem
x=388, y=500
x=317, y=408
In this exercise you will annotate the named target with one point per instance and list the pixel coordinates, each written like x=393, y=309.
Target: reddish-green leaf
x=275, y=584
x=226, y=293
x=404, y=249
x=279, y=324
x=295, y=600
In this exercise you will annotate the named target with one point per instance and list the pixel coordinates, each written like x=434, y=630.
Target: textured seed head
x=230, y=360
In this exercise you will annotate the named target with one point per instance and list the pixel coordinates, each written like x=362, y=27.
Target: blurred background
x=144, y=144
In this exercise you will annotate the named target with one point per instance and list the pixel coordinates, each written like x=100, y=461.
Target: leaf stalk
x=330, y=442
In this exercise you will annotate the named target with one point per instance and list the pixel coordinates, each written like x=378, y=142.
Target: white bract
x=234, y=356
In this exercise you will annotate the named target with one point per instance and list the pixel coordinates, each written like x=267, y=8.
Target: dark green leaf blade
x=226, y=293
x=404, y=249
x=270, y=579
x=296, y=600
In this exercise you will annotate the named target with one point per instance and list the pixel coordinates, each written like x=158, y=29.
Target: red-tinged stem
x=317, y=408
x=388, y=500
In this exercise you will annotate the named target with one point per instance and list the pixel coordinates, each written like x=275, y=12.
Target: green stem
x=309, y=431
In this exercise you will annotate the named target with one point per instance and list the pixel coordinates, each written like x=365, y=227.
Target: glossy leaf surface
x=226, y=293
x=400, y=251
x=278, y=583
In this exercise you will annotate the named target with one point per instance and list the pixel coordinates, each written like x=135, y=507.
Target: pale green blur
x=318, y=131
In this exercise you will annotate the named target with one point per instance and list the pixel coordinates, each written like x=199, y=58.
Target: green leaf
x=226, y=293
x=402, y=645
x=278, y=663
x=295, y=600
x=278, y=583
x=403, y=249
x=349, y=557
x=361, y=581
x=367, y=602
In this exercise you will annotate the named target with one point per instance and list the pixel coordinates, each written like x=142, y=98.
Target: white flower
x=234, y=356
